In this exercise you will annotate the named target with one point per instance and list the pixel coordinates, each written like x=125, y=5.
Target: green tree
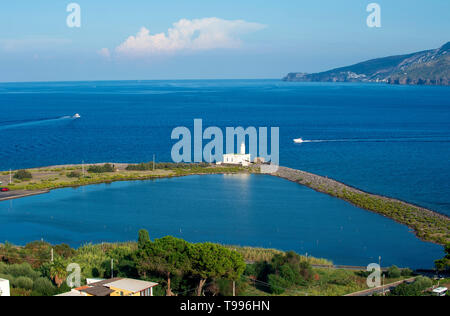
x=413, y=289
x=143, y=238
x=444, y=263
x=58, y=271
x=74, y=174
x=291, y=268
x=394, y=272
x=167, y=256
x=23, y=175
x=277, y=284
x=23, y=282
x=101, y=169
x=43, y=287
x=214, y=261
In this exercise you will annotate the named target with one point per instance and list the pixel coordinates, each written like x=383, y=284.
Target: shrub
x=20, y=292
x=8, y=277
x=413, y=289
x=23, y=283
x=21, y=270
x=43, y=287
x=342, y=277
x=394, y=272
x=422, y=283
x=3, y=267
x=277, y=284
x=101, y=169
x=74, y=174
x=23, y=175
x=407, y=272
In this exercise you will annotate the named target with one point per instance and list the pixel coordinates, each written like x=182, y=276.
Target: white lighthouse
x=243, y=148
x=242, y=158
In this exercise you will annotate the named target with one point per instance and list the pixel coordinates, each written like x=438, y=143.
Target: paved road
x=381, y=289
x=351, y=268
x=19, y=193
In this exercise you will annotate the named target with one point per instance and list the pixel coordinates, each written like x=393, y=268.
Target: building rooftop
x=130, y=285
x=72, y=293
x=97, y=291
x=440, y=290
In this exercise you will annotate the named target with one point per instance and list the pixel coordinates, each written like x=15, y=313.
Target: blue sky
x=225, y=39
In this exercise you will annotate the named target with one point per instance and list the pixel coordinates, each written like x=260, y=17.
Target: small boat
x=76, y=116
x=298, y=140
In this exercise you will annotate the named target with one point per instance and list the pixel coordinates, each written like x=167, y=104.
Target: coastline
x=427, y=225
x=415, y=217
x=12, y=195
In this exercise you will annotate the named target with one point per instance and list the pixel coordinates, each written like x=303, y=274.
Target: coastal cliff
x=430, y=67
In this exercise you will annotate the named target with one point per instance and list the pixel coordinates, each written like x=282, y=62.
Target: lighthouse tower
x=243, y=148
x=240, y=158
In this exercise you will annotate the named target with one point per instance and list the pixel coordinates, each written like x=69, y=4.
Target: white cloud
x=189, y=35
x=104, y=52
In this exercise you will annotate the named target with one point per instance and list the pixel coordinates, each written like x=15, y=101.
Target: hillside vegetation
x=430, y=67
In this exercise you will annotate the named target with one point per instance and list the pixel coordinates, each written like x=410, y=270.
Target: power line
x=270, y=285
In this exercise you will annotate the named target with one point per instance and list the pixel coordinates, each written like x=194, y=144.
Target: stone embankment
x=427, y=224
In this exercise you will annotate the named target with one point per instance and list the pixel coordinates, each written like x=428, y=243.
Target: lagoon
x=247, y=210
x=384, y=139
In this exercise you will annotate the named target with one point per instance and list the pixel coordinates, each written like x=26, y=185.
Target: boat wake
x=440, y=139
x=18, y=124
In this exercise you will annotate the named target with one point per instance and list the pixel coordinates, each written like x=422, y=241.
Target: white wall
x=4, y=288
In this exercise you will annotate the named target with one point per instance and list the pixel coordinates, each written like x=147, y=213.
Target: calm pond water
x=256, y=210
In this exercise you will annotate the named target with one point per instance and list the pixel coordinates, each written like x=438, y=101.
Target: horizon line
x=133, y=80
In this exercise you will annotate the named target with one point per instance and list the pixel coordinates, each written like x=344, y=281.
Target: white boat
x=76, y=116
x=298, y=140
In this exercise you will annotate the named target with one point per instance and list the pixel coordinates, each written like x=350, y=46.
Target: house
x=114, y=287
x=72, y=293
x=4, y=287
x=237, y=159
x=259, y=160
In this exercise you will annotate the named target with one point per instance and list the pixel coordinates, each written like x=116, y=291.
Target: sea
x=385, y=139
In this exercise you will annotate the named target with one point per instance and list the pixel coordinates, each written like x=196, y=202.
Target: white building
x=440, y=291
x=237, y=159
x=4, y=288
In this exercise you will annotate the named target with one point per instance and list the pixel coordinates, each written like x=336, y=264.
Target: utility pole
x=153, y=162
x=234, y=288
x=381, y=271
x=82, y=167
x=10, y=176
x=112, y=268
x=52, y=255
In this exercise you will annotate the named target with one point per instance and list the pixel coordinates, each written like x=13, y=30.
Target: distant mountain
x=430, y=67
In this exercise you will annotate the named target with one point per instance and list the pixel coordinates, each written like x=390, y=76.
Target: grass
x=254, y=254
x=54, y=178
x=327, y=282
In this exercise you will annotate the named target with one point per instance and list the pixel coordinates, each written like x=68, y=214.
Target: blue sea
x=390, y=140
